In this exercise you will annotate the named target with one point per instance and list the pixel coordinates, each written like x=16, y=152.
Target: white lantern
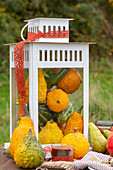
x=49, y=53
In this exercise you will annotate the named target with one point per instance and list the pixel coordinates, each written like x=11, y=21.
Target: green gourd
x=53, y=75
x=63, y=116
x=44, y=114
x=29, y=153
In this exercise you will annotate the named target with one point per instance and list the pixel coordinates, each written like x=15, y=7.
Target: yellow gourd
x=42, y=87
x=19, y=132
x=50, y=133
x=81, y=144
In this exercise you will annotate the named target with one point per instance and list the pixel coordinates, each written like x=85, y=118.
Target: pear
x=98, y=141
x=106, y=133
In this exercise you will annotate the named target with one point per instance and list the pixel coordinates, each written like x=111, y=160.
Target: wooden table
x=7, y=162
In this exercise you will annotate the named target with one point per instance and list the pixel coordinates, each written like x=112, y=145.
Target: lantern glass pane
x=26, y=72
x=77, y=97
x=13, y=99
x=45, y=113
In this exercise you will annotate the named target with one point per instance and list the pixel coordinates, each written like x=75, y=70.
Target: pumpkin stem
x=30, y=132
x=79, y=111
x=75, y=130
x=58, y=101
x=51, y=121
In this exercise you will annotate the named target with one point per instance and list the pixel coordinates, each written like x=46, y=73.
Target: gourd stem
x=30, y=132
x=90, y=116
x=51, y=121
x=26, y=113
x=79, y=111
x=75, y=130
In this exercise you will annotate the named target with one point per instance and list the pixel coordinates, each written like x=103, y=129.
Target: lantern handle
x=23, y=30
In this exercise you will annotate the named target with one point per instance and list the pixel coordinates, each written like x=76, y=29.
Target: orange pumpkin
x=75, y=121
x=57, y=100
x=70, y=82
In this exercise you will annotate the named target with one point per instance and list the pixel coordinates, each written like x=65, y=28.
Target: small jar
x=101, y=124
x=62, y=153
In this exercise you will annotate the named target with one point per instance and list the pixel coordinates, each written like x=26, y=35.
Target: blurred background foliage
x=92, y=22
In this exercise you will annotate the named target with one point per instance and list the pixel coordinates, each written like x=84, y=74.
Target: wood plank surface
x=7, y=162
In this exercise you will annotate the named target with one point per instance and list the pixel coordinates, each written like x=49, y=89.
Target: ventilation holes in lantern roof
x=65, y=55
x=70, y=55
x=54, y=28
x=40, y=55
x=49, y=28
x=44, y=29
x=45, y=55
x=80, y=55
x=26, y=52
x=59, y=28
x=27, y=55
x=55, y=55
x=33, y=29
x=37, y=28
x=51, y=58
x=75, y=55
x=60, y=55
x=12, y=57
x=64, y=28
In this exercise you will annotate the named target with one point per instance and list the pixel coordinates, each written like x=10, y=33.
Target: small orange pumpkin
x=75, y=121
x=70, y=82
x=57, y=100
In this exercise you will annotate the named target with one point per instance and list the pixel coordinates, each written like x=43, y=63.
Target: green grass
x=100, y=91
x=100, y=95
x=4, y=109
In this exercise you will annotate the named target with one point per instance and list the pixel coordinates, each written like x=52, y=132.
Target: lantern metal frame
x=42, y=55
x=49, y=53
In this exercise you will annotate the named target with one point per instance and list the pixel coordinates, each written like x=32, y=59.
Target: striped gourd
x=44, y=114
x=53, y=75
x=63, y=116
